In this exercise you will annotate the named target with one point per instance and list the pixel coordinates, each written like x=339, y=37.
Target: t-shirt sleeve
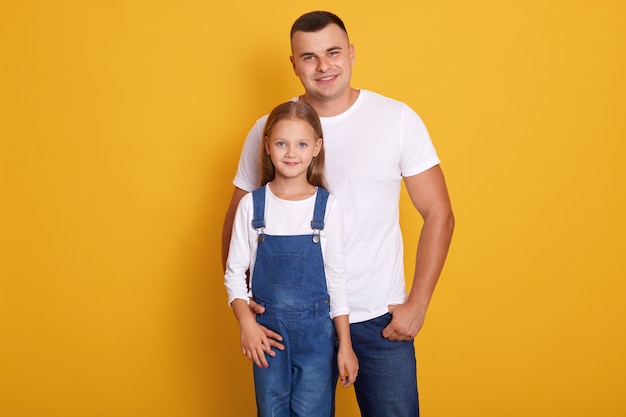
x=418, y=152
x=239, y=253
x=333, y=259
x=248, y=171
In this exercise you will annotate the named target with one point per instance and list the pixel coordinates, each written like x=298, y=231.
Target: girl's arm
x=254, y=342
x=338, y=291
x=346, y=358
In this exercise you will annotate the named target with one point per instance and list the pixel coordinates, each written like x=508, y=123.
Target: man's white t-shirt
x=369, y=149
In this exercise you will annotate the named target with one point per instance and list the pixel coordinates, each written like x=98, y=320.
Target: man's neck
x=332, y=107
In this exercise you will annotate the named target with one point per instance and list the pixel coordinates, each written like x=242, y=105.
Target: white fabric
x=369, y=148
x=284, y=218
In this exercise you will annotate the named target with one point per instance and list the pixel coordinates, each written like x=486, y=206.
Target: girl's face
x=292, y=145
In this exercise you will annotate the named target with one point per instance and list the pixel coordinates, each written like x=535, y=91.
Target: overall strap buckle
x=317, y=224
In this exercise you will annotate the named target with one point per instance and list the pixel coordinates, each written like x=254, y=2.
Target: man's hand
x=273, y=338
x=406, y=322
x=254, y=343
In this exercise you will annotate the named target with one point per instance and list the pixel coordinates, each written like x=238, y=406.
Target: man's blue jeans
x=386, y=385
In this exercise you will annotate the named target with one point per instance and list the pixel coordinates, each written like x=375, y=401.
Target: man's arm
x=429, y=195
x=227, y=230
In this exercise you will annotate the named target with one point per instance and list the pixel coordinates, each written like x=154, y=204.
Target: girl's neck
x=290, y=190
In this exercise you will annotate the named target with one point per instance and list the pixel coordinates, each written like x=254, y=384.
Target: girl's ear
x=266, y=143
x=318, y=146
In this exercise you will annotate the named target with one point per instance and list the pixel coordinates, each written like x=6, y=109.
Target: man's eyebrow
x=332, y=48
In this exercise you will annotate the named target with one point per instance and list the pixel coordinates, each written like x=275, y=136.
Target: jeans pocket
x=329, y=325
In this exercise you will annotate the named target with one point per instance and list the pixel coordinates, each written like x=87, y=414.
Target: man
x=372, y=144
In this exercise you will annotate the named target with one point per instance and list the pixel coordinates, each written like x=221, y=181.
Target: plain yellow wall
x=121, y=124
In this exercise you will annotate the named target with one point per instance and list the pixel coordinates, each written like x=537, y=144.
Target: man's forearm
x=430, y=257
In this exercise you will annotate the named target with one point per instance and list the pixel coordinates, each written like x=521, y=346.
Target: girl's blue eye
x=302, y=145
x=280, y=144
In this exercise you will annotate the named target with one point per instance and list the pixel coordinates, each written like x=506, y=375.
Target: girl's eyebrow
x=299, y=139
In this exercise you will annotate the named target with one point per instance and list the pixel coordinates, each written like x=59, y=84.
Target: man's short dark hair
x=316, y=21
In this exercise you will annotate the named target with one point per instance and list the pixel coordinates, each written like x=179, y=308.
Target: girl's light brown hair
x=294, y=110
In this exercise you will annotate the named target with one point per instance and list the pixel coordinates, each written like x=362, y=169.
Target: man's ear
x=293, y=65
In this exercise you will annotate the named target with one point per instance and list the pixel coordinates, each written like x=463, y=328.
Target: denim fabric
x=387, y=381
x=288, y=272
x=298, y=381
x=290, y=282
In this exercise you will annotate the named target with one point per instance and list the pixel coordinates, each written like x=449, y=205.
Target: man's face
x=323, y=61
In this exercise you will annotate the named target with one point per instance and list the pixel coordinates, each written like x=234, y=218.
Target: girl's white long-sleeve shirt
x=285, y=218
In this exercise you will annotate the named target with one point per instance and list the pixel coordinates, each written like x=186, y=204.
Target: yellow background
x=121, y=124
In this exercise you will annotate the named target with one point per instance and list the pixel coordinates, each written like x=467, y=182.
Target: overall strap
x=258, y=200
x=320, y=209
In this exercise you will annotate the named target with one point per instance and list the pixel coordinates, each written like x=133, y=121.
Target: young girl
x=288, y=234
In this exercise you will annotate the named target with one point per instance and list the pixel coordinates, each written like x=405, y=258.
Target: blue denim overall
x=290, y=282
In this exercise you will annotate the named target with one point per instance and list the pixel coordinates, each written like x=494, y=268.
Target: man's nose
x=323, y=64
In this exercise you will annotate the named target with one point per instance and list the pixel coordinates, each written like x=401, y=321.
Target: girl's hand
x=348, y=365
